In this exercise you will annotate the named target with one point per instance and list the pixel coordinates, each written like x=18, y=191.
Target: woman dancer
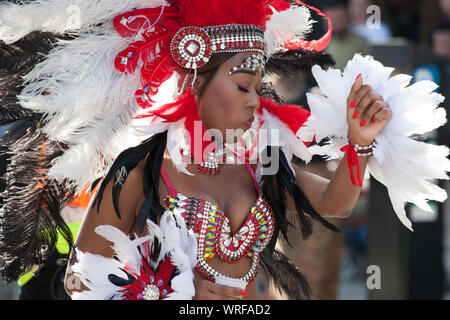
x=189, y=209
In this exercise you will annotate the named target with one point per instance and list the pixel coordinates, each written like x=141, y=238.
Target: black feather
x=17, y=60
x=287, y=276
x=154, y=149
x=30, y=216
x=119, y=281
x=291, y=62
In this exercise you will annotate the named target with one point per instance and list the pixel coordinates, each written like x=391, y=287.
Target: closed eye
x=258, y=92
x=243, y=89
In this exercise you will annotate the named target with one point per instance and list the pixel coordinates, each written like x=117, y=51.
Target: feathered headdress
x=89, y=106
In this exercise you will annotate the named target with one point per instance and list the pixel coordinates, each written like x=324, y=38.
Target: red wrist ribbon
x=352, y=161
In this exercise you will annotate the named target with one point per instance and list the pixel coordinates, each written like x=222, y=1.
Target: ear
x=198, y=83
x=188, y=78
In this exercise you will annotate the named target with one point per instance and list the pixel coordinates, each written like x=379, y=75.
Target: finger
x=356, y=102
x=365, y=102
x=370, y=104
x=368, y=115
x=351, y=102
x=226, y=290
x=206, y=290
x=208, y=295
x=382, y=115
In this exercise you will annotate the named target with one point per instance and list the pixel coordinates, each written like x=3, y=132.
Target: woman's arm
x=88, y=240
x=330, y=198
x=367, y=115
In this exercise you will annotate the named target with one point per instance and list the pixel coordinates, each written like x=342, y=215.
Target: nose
x=253, y=102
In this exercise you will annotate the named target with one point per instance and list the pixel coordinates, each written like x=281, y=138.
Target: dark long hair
x=286, y=275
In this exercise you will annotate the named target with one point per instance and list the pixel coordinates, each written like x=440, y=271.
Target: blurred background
x=375, y=256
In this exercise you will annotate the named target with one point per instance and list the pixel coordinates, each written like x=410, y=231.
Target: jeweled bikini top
x=212, y=229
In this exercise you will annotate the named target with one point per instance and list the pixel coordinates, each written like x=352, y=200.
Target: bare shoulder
x=133, y=183
x=130, y=198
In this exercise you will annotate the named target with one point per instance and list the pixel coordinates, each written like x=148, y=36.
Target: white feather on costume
x=77, y=86
x=405, y=166
x=176, y=241
x=82, y=95
x=176, y=141
x=286, y=25
x=90, y=98
x=59, y=16
x=274, y=132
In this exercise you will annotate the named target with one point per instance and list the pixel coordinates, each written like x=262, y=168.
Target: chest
x=233, y=191
x=212, y=229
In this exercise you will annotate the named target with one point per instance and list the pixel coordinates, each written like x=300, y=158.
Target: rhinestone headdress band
x=192, y=47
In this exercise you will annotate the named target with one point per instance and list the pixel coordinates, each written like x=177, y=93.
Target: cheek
x=221, y=106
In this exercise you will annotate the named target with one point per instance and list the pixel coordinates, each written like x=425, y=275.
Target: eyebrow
x=250, y=72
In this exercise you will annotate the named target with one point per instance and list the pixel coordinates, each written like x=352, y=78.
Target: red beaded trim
x=211, y=227
x=191, y=47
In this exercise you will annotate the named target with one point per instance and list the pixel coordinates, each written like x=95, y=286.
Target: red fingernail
x=359, y=75
x=363, y=122
x=355, y=115
x=352, y=104
x=244, y=293
x=373, y=121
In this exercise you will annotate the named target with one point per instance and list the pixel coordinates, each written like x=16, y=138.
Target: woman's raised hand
x=367, y=113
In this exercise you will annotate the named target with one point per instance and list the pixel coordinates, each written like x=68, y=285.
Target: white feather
x=274, y=132
x=59, y=16
x=182, y=286
x=176, y=140
x=89, y=105
x=407, y=168
x=121, y=245
x=93, y=270
x=82, y=94
x=286, y=25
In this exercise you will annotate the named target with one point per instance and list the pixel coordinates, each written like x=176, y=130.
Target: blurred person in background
x=440, y=46
x=373, y=30
x=444, y=6
x=344, y=43
x=440, y=39
x=403, y=18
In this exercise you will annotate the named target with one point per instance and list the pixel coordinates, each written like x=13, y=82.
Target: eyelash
x=247, y=91
x=243, y=89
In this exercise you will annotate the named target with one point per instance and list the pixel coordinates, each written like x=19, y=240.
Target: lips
x=249, y=122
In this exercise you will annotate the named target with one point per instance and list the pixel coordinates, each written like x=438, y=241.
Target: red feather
x=156, y=72
x=185, y=106
x=134, y=26
x=153, y=74
x=130, y=66
x=279, y=5
x=203, y=13
x=291, y=115
x=161, y=279
x=314, y=45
